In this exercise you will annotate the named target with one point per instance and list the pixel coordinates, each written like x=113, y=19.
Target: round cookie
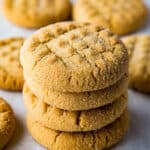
x=119, y=16
x=73, y=121
x=100, y=139
x=36, y=13
x=73, y=57
x=81, y=101
x=11, y=75
x=139, y=64
x=7, y=123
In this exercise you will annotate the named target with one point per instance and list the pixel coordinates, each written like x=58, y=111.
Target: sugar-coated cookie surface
x=73, y=57
x=139, y=64
x=83, y=100
x=7, y=123
x=120, y=16
x=11, y=75
x=100, y=139
x=73, y=121
x=36, y=13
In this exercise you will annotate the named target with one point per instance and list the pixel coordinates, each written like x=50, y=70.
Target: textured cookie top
x=7, y=123
x=74, y=57
x=138, y=44
x=9, y=56
x=114, y=14
x=36, y=13
x=139, y=65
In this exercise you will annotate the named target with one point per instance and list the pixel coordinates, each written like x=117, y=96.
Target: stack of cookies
x=76, y=86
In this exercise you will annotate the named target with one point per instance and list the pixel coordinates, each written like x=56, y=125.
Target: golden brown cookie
x=7, y=123
x=121, y=17
x=73, y=57
x=36, y=13
x=73, y=121
x=100, y=139
x=81, y=101
x=11, y=76
x=139, y=65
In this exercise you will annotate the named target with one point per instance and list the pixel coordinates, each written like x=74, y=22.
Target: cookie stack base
x=100, y=139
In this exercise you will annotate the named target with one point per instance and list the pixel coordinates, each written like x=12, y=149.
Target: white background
x=138, y=137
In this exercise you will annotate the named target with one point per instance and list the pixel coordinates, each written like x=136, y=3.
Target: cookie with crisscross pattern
x=139, y=61
x=73, y=57
x=11, y=75
x=36, y=13
x=120, y=16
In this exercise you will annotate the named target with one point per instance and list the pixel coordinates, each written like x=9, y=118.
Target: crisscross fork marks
x=55, y=36
x=70, y=45
x=139, y=45
x=95, y=11
x=51, y=32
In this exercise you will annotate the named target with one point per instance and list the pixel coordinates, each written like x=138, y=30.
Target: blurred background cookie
x=7, y=123
x=139, y=61
x=11, y=75
x=120, y=16
x=36, y=13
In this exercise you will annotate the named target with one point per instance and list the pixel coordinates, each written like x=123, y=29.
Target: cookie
x=73, y=57
x=37, y=13
x=7, y=123
x=100, y=139
x=73, y=121
x=119, y=16
x=11, y=75
x=139, y=64
x=81, y=101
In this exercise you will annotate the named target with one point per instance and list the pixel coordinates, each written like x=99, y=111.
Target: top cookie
x=11, y=76
x=74, y=57
x=7, y=123
x=139, y=64
x=120, y=16
x=36, y=13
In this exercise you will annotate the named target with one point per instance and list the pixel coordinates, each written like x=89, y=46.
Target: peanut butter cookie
x=36, y=13
x=73, y=57
x=139, y=64
x=120, y=16
x=11, y=76
x=100, y=139
x=7, y=123
x=73, y=121
x=84, y=100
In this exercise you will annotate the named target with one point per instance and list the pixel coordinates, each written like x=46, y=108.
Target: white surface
x=138, y=137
